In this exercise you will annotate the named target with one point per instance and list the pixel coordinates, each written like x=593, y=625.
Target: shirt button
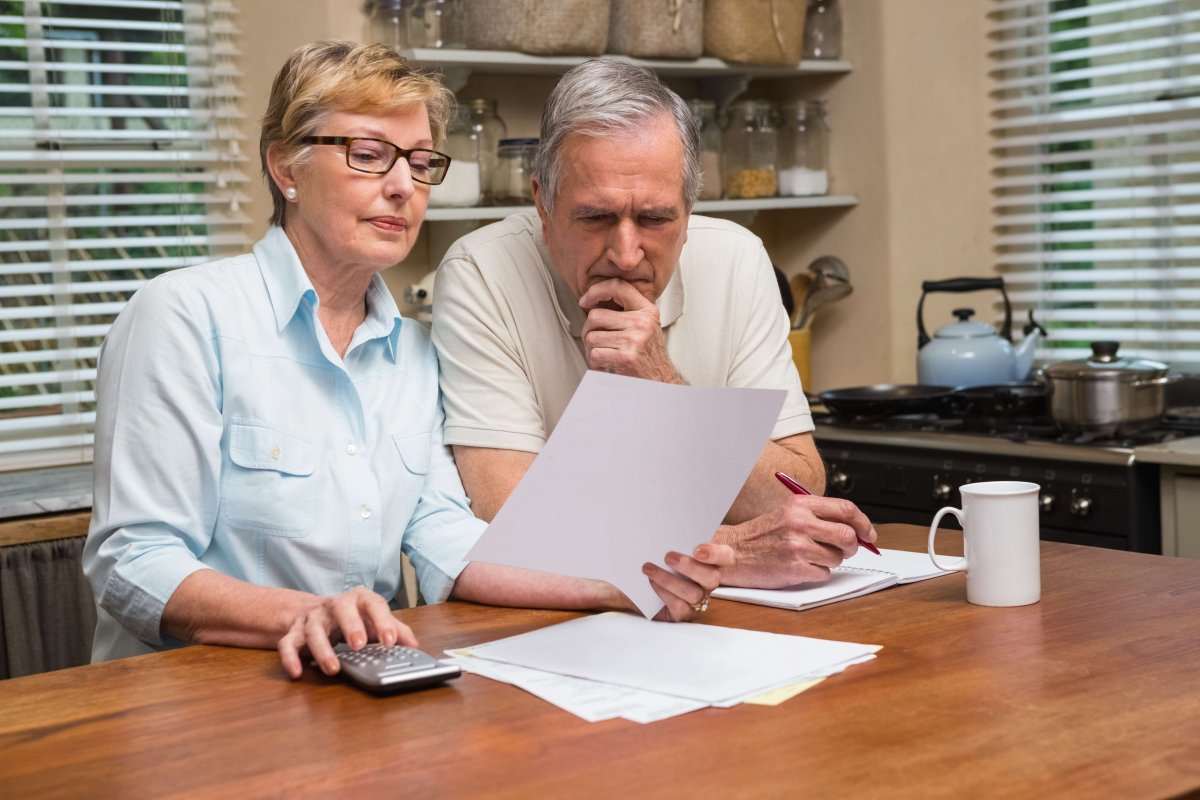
x=365, y=512
x=351, y=449
x=276, y=452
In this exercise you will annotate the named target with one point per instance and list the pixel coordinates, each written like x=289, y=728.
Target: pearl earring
x=290, y=193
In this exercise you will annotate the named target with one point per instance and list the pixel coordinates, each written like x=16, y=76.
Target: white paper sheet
x=592, y=701
x=908, y=567
x=707, y=663
x=634, y=469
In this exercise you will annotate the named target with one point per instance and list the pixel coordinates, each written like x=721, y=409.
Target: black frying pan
x=886, y=400
x=1001, y=401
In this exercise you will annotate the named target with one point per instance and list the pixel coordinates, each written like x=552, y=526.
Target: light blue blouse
x=230, y=435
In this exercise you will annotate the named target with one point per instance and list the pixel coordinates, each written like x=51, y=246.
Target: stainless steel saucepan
x=1106, y=394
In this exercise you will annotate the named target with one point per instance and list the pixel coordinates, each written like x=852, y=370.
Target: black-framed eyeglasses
x=378, y=157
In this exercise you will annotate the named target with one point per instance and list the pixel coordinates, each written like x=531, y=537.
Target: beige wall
x=909, y=139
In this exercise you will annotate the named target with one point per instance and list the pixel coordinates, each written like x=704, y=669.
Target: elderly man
x=614, y=273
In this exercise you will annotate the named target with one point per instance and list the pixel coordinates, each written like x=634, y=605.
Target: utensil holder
x=801, y=340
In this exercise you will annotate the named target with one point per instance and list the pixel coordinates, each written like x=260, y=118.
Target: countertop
x=1179, y=453
x=45, y=491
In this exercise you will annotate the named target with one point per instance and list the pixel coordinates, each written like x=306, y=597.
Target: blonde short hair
x=321, y=78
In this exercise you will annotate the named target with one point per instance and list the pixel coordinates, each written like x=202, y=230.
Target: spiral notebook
x=860, y=574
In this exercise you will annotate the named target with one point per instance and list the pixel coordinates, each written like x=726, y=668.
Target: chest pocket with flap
x=266, y=488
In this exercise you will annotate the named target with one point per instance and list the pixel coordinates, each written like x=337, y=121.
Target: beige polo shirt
x=507, y=330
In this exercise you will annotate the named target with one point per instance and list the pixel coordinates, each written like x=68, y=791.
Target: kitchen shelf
x=511, y=63
x=701, y=207
x=717, y=80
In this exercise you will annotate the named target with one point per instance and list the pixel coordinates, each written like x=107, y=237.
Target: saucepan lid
x=1104, y=364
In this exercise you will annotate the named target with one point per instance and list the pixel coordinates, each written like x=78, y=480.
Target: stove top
x=1010, y=437
x=1020, y=429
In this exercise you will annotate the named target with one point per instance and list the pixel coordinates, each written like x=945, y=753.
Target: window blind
x=119, y=159
x=1096, y=132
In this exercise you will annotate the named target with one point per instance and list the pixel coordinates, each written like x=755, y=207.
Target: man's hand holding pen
x=800, y=541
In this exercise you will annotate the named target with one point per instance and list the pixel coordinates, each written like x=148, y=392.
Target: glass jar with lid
x=803, y=149
x=387, y=22
x=822, y=30
x=748, y=165
x=461, y=186
x=436, y=23
x=514, y=168
x=489, y=129
x=705, y=112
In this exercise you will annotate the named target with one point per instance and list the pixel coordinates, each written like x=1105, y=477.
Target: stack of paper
x=861, y=574
x=619, y=665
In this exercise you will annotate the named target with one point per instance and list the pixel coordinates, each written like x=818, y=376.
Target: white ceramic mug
x=1001, y=541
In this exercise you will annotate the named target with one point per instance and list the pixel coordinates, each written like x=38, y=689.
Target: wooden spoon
x=800, y=284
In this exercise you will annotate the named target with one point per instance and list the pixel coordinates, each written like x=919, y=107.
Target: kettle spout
x=1024, y=352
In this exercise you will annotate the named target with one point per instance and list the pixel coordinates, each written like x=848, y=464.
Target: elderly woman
x=268, y=433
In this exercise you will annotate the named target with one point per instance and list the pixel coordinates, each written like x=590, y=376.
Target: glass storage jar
x=822, y=30
x=803, y=149
x=461, y=186
x=388, y=22
x=489, y=129
x=748, y=165
x=436, y=23
x=705, y=112
x=514, y=168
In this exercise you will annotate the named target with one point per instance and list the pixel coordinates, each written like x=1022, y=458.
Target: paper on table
x=591, y=701
x=700, y=662
x=634, y=468
x=908, y=567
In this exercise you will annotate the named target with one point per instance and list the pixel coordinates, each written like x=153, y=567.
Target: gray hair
x=605, y=96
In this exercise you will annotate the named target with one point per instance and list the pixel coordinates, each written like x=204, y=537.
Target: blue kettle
x=967, y=353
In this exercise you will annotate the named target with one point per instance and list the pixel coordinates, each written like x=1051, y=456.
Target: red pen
x=798, y=488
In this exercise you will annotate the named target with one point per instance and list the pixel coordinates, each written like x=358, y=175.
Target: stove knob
x=839, y=480
x=1046, y=503
x=942, y=491
x=1081, y=505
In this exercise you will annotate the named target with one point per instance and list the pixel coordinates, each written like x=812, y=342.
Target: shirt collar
x=670, y=302
x=289, y=289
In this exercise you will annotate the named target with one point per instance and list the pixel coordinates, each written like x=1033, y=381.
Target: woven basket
x=541, y=27
x=657, y=28
x=755, y=31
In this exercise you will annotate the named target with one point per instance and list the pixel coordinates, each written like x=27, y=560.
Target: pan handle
x=959, y=285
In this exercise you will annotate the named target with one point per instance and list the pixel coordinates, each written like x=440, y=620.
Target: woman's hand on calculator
x=354, y=617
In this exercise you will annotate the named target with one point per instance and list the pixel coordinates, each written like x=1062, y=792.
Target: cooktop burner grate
x=1020, y=429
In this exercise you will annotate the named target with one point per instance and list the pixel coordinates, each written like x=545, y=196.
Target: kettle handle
x=959, y=285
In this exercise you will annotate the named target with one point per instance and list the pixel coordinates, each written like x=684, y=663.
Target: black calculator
x=381, y=669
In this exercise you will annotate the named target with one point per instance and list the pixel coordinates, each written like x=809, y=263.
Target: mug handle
x=961, y=565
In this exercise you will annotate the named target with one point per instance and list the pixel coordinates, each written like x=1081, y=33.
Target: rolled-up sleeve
x=157, y=456
x=443, y=528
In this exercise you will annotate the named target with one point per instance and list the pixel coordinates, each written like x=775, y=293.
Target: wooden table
x=1094, y=692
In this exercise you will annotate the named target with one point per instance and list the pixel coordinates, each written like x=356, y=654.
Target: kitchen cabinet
x=714, y=79
x=1179, y=493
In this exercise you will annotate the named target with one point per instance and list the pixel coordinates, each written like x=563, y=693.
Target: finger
x=706, y=576
x=682, y=585
x=316, y=639
x=719, y=555
x=676, y=609
x=388, y=630
x=614, y=290
x=348, y=618
x=289, y=654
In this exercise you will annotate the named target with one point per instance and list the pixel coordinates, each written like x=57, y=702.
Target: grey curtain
x=47, y=616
